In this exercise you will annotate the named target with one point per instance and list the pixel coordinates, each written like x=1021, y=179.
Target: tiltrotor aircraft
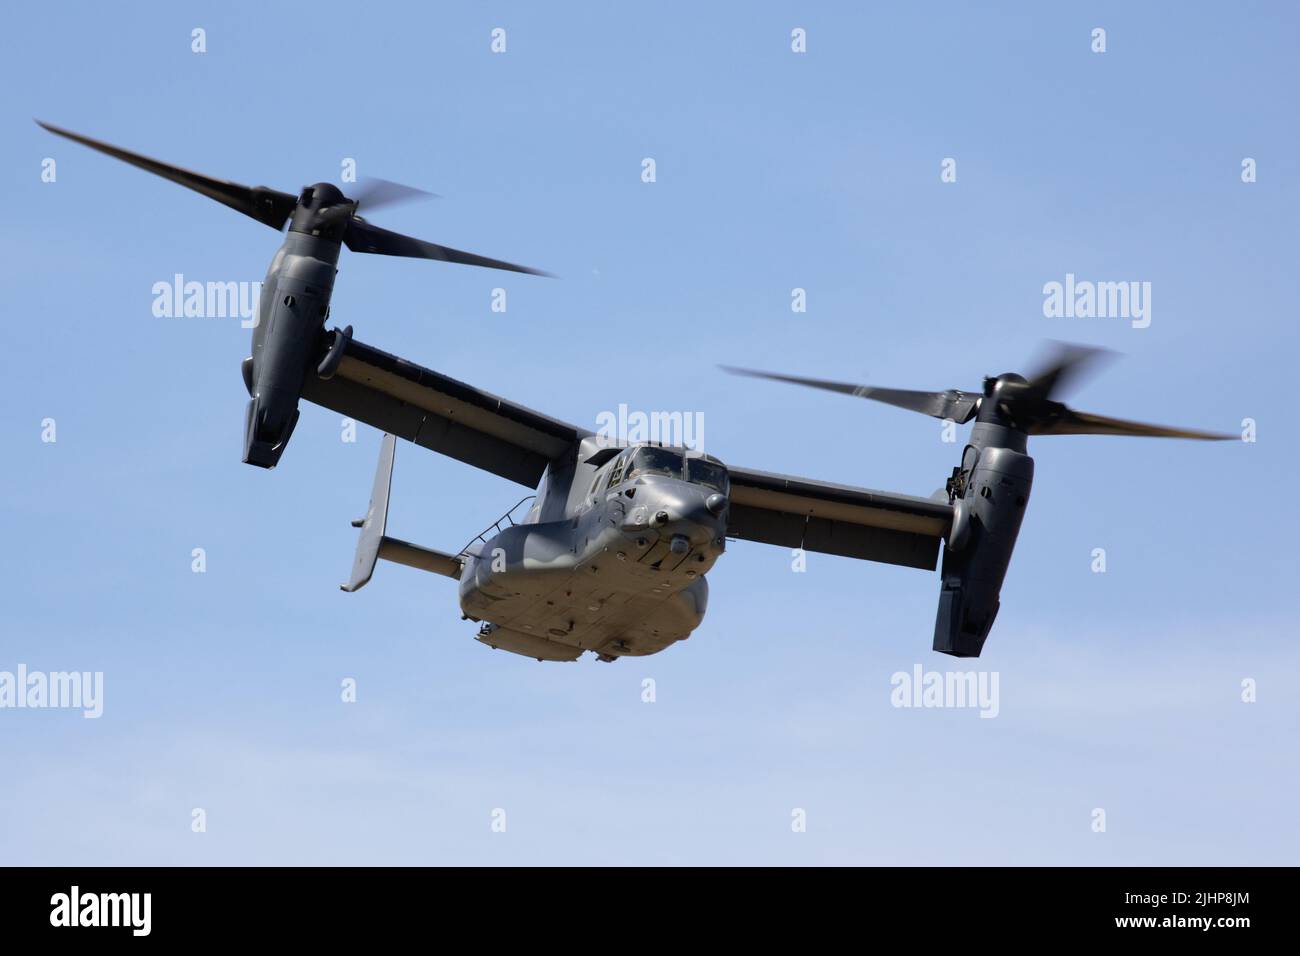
x=612, y=554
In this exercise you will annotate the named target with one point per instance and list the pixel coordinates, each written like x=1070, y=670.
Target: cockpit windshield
x=709, y=473
x=670, y=463
x=654, y=461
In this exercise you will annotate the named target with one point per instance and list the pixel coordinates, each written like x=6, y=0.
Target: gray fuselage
x=611, y=557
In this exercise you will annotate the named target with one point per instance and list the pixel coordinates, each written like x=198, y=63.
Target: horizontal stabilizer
x=414, y=556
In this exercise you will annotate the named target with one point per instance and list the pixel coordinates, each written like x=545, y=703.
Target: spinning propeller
x=1022, y=403
x=331, y=209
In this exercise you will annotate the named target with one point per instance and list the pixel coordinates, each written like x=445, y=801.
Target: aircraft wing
x=515, y=442
x=442, y=414
x=837, y=519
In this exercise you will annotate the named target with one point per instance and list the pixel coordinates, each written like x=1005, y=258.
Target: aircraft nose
x=692, y=516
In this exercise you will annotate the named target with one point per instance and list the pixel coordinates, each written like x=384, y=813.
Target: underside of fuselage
x=555, y=590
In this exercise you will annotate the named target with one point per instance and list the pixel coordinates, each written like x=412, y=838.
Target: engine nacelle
x=291, y=320
x=991, y=492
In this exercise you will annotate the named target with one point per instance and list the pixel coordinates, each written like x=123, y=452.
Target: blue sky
x=775, y=170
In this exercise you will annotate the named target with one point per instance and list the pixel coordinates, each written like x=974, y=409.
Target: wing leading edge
x=837, y=519
x=442, y=414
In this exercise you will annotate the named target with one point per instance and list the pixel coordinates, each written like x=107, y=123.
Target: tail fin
x=374, y=544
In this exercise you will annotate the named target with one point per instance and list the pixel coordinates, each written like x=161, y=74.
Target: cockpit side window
x=616, y=473
x=711, y=474
x=655, y=461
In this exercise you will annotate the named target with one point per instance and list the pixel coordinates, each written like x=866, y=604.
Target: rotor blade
x=952, y=404
x=267, y=206
x=376, y=193
x=1066, y=365
x=1084, y=423
x=362, y=236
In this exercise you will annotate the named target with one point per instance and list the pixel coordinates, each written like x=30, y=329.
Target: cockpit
x=679, y=463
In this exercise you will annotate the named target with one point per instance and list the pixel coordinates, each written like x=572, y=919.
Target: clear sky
x=1119, y=691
